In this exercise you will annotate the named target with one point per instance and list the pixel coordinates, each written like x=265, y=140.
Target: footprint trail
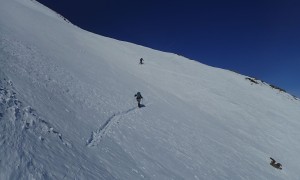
x=100, y=133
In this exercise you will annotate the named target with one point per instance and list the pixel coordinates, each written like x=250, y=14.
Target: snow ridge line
x=97, y=135
x=12, y=107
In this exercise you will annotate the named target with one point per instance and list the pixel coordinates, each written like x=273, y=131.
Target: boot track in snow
x=100, y=133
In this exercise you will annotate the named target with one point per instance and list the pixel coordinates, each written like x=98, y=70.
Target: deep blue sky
x=258, y=38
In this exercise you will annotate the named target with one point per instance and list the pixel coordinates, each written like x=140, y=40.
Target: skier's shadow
x=142, y=105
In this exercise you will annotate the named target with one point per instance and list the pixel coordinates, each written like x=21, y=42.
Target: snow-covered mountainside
x=68, y=111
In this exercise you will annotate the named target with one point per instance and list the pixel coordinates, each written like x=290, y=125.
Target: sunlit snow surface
x=67, y=109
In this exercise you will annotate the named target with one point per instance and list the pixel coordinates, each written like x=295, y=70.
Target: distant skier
x=141, y=61
x=139, y=97
x=274, y=164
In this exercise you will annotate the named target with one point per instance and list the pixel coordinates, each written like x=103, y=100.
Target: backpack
x=138, y=95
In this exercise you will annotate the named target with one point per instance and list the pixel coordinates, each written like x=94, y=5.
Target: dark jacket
x=138, y=96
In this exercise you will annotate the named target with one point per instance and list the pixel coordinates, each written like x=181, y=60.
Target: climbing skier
x=141, y=61
x=274, y=164
x=139, y=97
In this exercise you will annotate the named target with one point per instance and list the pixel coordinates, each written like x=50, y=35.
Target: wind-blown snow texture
x=67, y=109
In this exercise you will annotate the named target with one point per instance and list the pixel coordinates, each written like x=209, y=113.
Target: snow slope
x=67, y=109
